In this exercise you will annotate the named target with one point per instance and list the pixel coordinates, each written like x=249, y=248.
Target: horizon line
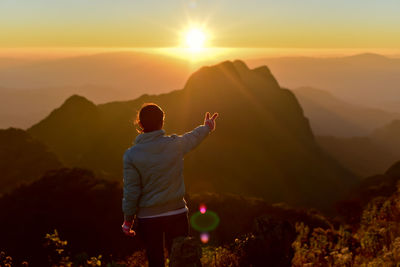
x=179, y=52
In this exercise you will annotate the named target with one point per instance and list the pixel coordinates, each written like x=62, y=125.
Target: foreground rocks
x=186, y=252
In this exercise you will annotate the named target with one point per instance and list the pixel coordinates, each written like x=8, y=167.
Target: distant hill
x=23, y=108
x=389, y=136
x=134, y=71
x=6, y=63
x=330, y=115
x=23, y=159
x=366, y=155
x=31, y=89
x=362, y=155
x=365, y=79
x=263, y=146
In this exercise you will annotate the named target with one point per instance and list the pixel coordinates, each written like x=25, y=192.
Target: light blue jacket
x=153, y=171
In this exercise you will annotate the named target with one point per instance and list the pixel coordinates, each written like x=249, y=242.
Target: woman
x=153, y=181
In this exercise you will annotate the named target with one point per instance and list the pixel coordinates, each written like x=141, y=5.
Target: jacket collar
x=150, y=136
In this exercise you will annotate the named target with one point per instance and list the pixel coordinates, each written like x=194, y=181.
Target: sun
x=195, y=44
x=195, y=39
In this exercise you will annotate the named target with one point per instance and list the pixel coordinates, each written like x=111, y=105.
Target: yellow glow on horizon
x=207, y=53
x=203, y=55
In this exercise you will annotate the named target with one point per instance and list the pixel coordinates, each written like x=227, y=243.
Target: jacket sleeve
x=192, y=139
x=132, y=187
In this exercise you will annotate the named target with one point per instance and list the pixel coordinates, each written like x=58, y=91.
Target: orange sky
x=271, y=28
x=234, y=23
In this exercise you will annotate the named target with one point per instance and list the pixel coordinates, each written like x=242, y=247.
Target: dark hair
x=149, y=118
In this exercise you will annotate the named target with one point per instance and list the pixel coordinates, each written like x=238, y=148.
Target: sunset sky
x=227, y=23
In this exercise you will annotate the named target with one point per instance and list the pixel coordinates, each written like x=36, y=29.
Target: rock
x=186, y=252
x=271, y=243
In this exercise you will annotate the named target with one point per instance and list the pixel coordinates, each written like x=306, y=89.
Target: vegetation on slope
x=23, y=159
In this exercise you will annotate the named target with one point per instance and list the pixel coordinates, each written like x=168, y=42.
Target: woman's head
x=150, y=118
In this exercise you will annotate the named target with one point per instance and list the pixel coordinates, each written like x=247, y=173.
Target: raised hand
x=210, y=122
x=127, y=228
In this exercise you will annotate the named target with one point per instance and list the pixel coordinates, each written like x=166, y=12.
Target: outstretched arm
x=192, y=139
x=132, y=191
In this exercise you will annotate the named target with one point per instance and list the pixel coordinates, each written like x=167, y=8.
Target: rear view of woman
x=153, y=181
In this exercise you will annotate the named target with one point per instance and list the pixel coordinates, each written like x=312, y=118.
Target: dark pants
x=154, y=231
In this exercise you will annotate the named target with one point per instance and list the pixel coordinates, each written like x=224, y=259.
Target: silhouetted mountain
x=366, y=79
x=329, y=115
x=362, y=155
x=22, y=159
x=263, y=146
x=35, y=88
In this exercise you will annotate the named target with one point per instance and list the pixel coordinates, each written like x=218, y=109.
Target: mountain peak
x=240, y=65
x=77, y=104
x=78, y=100
x=232, y=74
x=75, y=108
x=263, y=70
x=368, y=56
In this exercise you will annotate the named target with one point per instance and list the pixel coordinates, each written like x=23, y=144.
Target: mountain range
x=30, y=89
x=388, y=136
x=125, y=71
x=365, y=155
x=363, y=79
x=330, y=115
x=263, y=146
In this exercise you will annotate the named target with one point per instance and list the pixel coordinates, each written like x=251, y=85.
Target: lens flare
x=204, y=222
x=203, y=208
x=204, y=237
